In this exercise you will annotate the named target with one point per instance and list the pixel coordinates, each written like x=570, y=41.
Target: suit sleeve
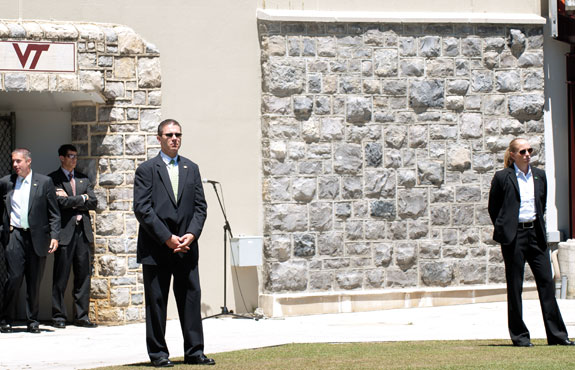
x=77, y=201
x=53, y=210
x=200, y=207
x=145, y=214
x=495, y=198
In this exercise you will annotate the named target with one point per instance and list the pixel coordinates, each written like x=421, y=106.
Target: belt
x=527, y=225
x=12, y=228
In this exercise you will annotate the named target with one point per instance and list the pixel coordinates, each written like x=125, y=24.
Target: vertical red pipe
x=571, y=132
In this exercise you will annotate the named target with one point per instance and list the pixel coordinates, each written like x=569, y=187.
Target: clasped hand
x=180, y=243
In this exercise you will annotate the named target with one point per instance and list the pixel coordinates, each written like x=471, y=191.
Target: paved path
x=80, y=348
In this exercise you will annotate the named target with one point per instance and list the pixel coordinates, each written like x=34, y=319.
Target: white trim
x=396, y=17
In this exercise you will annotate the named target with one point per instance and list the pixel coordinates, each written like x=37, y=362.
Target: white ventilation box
x=247, y=251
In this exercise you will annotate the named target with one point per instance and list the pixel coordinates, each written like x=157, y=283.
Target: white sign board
x=37, y=56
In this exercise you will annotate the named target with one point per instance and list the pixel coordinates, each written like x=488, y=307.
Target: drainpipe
x=571, y=132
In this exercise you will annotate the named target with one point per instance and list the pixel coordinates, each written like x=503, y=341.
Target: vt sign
x=37, y=56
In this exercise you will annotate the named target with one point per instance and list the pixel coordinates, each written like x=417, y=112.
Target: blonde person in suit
x=517, y=202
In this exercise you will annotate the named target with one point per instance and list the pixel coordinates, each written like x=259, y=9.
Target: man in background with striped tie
x=170, y=206
x=75, y=195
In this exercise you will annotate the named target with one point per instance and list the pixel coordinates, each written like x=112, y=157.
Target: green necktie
x=174, y=177
x=24, y=211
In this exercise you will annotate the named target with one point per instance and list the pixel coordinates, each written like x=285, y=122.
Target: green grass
x=485, y=354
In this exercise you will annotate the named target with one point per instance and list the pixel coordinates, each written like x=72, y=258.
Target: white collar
x=167, y=159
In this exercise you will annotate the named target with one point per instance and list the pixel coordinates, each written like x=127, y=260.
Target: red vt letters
x=38, y=48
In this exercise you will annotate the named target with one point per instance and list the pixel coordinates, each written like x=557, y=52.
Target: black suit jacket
x=161, y=216
x=43, y=211
x=504, y=202
x=72, y=205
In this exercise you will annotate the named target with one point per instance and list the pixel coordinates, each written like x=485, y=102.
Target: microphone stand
x=227, y=229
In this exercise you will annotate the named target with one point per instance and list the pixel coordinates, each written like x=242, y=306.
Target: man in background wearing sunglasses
x=75, y=195
x=170, y=206
x=517, y=202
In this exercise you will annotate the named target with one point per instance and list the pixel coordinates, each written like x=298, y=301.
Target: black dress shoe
x=162, y=362
x=199, y=360
x=85, y=323
x=59, y=324
x=34, y=328
x=523, y=344
x=6, y=328
x=564, y=342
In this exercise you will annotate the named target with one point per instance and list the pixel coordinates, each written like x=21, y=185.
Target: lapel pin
x=185, y=166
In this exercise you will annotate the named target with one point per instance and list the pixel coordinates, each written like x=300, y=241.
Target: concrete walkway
x=79, y=348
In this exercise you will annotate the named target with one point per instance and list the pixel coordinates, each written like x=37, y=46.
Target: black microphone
x=206, y=181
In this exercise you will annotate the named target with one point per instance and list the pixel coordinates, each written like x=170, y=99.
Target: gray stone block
x=437, y=273
x=283, y=77
x=330, y=244
x=111, y=266
x=83, y=113
x=321, y=280
x=383, y=209
x=426, y=94
x=396, y=278
x=320, y=216
x=303, y=245
x=430, y=46
x=286, y=217
x=430, y=172
x=379, y=184
x=411, y=203
x=358, y=109
x=385, y=62
x=526, y=107
x=349, y=280
x=302, y=107
x=287, y=276
x=348, y=158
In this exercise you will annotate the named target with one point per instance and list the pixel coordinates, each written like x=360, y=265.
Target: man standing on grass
x=170, y=206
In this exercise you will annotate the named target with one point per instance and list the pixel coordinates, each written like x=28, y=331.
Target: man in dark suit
x=517, y=202
x=29, y=231
x=75, y=195
x=170, y=206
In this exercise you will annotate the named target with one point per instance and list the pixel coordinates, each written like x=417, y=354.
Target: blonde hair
x=513, y=146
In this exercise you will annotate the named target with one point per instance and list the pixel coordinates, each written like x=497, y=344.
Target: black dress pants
x=76, y=256
x=188, y=300
x=527, y=248
x=22, y=261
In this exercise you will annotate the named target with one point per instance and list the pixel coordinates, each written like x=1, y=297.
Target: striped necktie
x=174, y=177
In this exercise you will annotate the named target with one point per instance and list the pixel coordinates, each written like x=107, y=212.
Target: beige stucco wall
x=211, y=84
x=461, y=6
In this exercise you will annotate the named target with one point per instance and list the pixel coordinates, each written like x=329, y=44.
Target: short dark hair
x=166, y=122
x=64, y=149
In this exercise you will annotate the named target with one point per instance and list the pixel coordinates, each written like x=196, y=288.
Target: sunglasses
x=172, y=134
x=72, y=156
x=523, y=151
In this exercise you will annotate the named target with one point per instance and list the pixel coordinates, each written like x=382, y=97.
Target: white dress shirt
x=20, y=199
x=167, y=159
x=527, y=212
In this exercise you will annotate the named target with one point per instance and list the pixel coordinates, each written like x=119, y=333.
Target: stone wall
x=379, y=145
x=112, y=139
